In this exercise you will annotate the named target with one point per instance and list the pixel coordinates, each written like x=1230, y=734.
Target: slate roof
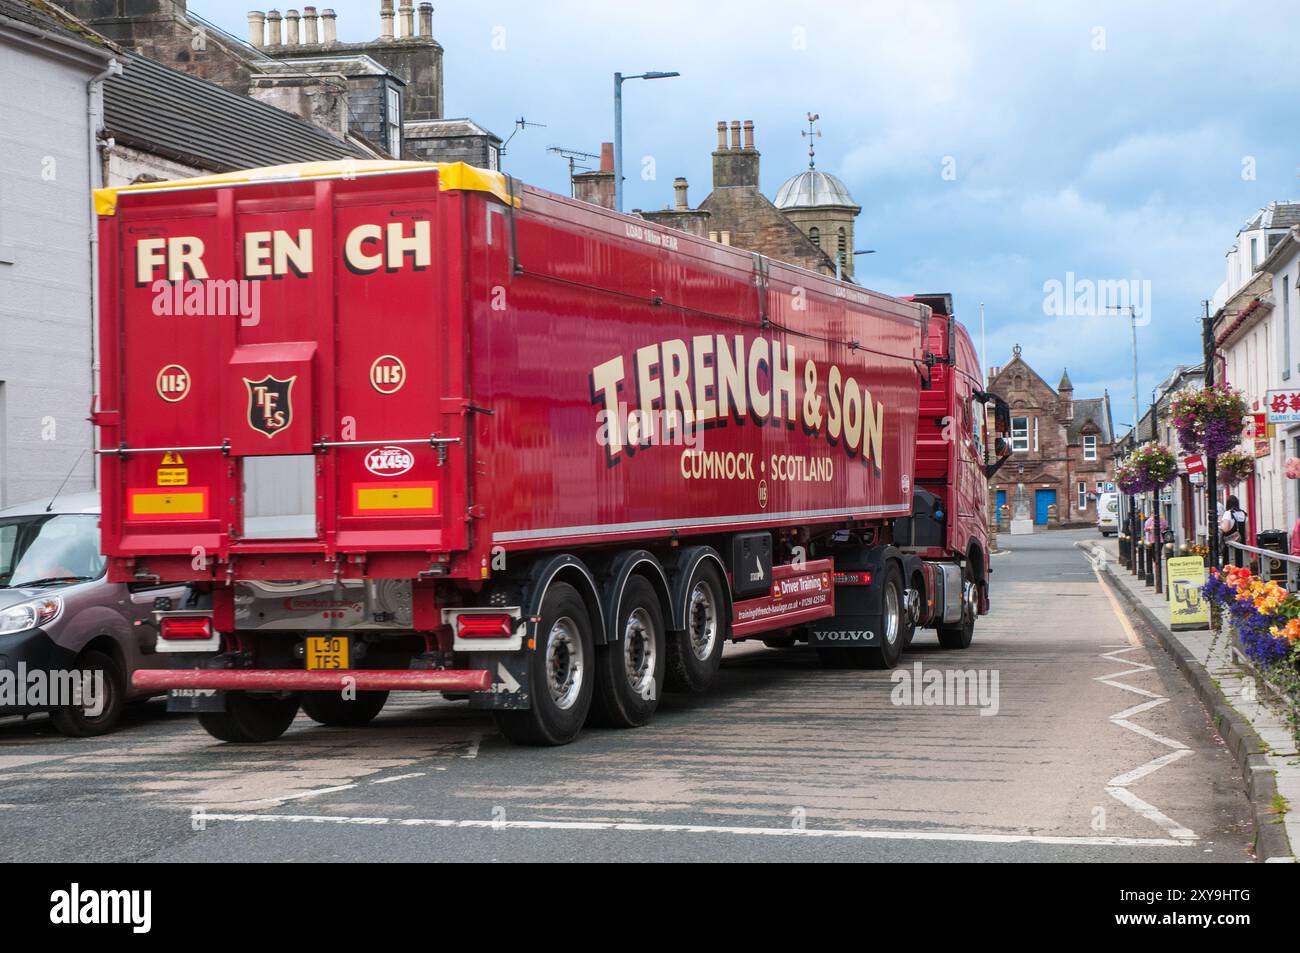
x=1094, y=409
x=170, y=113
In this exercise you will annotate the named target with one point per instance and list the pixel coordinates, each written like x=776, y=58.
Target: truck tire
x=73, y=721
x=250, y=719
x=695, y=653
x=332, y=709
x=630, y=672
x=560, y=674
x=959, y=636
x=891, y=624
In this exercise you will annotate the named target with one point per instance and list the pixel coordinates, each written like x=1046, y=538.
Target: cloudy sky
x=994, y=147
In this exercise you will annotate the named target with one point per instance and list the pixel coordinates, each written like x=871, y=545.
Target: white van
x=1108, y=514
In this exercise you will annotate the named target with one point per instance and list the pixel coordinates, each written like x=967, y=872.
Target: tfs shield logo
x=270, y=404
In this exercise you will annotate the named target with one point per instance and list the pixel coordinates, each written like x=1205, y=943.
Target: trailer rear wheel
x=332, y=709
x=560, y=674
x=959, y=636
x=250, y=719
x=695, y=653
x=630, y=672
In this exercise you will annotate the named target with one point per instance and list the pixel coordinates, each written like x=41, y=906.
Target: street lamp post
x=1132, y=500
x=1211, y=462
x=839, y=261
x=618, y=128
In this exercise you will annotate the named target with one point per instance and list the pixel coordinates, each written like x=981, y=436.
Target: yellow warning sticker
x=173, y=476
x=172, y=459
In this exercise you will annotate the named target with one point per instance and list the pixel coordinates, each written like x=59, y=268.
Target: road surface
x=1092, y=748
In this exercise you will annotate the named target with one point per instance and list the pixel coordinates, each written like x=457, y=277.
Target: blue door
x=1002, y=501
x=1042, y=500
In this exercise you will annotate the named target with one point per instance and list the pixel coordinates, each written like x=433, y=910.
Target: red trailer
x=416, y=426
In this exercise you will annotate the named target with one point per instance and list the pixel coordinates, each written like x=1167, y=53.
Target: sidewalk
x=1255, y=733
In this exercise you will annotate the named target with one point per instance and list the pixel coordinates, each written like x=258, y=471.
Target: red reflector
x=484, y=626
x=852, y=578
x=186, y=627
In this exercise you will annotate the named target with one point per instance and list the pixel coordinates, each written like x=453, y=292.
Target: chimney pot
x=309, y=26
x=426, y=20
x=291, y=27
x=679, y=187
x=330, y=27
x=722, y=136
x=607, y=157
x=735, y=133
x=749, y=134
x=408, y=18
x=257, y=28
x=386, y=20
x=273, y=27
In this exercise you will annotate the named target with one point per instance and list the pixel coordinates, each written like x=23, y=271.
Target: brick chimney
x=329, y=27
x=291, y=27
x=679, y=189
x=735, y=164
x=386, y=20
x=426, y=21
x=597, y=187
x=406, y=17
x=310, y=36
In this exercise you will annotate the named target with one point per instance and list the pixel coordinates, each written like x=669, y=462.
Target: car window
x=49, y=549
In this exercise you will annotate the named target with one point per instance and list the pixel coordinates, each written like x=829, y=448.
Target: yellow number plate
x=327, y=652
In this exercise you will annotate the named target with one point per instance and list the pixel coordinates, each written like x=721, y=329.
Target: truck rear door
x=288, y=376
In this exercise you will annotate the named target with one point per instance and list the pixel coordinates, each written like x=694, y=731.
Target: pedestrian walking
x=1233, y=527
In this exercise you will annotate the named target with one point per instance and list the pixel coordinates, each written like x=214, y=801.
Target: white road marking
x=1117, y=787
x=398, y=777
x=641, y=828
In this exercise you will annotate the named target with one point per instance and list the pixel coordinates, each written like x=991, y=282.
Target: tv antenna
x=813, y=133
x=573, y=155
x=520, y=124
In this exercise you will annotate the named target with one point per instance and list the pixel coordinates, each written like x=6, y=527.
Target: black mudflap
x=856, y=623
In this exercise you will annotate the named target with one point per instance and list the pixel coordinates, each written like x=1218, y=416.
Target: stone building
x=803, y=227
x=1061, y=446
x=384, y=94
x=47, y=173
x=123, y=118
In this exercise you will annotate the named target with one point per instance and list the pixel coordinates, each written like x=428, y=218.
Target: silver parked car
x=59, y=614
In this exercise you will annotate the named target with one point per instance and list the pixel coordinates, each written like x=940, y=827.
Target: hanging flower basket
x=1235, y=467
x=1209, y=420
x=1148, y=468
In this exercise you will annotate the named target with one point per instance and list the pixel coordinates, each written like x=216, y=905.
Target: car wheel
x=74, y=721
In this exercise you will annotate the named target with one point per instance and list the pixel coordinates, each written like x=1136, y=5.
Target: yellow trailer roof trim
x=451, y=175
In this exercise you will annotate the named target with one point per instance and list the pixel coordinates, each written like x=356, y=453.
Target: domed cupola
x=820, y=205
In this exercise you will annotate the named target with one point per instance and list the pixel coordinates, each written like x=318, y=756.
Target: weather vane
x=812, y=133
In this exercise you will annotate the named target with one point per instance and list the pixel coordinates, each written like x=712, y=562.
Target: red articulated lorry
x=415, y=426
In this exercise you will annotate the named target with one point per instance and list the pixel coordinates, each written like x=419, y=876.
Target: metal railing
x=1292, y=562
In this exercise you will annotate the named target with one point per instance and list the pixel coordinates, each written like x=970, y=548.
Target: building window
x=815, y=234
x=1083, y=495
x=1035, y=435
x=1254, y=254
x=1090, y=447
x=1019, y=434
x=393, y=122
x=843, y=248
